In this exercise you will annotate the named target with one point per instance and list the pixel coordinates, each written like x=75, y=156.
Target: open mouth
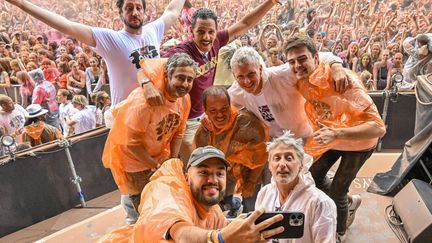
x=210, y=189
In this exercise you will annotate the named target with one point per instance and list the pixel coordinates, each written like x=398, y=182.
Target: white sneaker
x=352, y=208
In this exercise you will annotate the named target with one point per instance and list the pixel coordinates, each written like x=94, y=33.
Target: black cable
x=395, y=223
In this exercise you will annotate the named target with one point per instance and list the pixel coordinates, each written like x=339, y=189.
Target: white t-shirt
x=267, y=116
x=14, y=121
x=122, y=52
x=85, y=120
x=66, y=110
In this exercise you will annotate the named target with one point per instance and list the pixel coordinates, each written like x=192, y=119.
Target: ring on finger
x=262, y=237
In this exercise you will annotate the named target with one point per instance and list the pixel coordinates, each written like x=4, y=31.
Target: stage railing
x=41, y=182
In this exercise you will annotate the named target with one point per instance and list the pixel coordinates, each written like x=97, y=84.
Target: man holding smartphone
x=183, y=207
x=292, y=189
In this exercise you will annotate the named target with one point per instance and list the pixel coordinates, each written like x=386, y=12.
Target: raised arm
x=250, y=20
x=172, y=13
x=79, y=31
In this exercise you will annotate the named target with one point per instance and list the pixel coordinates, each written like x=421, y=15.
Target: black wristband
x=145, y=81
x=334, y=62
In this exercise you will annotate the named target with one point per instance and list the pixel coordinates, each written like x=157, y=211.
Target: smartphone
x=293, y=223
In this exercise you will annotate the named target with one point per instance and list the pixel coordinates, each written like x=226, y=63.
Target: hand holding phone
x=293, y=223
x=245, y=229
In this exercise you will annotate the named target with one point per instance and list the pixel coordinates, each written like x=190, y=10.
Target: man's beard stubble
x=198, y=195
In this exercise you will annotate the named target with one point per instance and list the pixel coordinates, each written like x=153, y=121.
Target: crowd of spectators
x=375, y=39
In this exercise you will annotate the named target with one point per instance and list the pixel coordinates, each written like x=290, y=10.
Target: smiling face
x=61, y=98
x=249, y=77
x=218, y=110
x=207, y=181
x=365, y=61
x=284, y=164
x=354, y=49
x=181, y=81
x=204, y=34
x=384, y=56
x=8, y=106
x=302, y=62
x=376, y=49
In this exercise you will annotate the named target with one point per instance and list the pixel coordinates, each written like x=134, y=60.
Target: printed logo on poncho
x=322, y=110
x=167, y=125
x=146, y=52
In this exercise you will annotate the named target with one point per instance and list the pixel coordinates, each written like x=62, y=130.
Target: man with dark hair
x=204, y=49
x=345, y=126
x=123, y=49
x=143, y=137
x=241, y=136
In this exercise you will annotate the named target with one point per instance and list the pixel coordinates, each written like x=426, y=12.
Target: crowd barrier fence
x=40, y=183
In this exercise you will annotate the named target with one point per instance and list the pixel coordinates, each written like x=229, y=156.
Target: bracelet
x=219, y=236
x=210, y=237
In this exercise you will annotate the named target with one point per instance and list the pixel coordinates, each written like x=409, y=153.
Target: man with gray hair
x=142, y=136
x=292, y=189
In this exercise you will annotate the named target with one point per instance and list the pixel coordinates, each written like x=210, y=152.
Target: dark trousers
x=337, y=189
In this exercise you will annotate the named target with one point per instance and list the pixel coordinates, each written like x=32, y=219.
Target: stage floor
x=104, y=214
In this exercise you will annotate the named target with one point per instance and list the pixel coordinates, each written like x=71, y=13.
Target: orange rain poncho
x=139, y=126
x=167, y=199
x=326, y=106
x=243, y=142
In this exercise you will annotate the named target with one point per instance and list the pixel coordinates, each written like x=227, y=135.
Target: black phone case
x=293, y=224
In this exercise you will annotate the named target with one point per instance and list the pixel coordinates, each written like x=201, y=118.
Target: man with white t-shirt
x=12, y=116
x=122, y=50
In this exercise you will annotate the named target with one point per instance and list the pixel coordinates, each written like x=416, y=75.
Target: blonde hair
x=80, y=99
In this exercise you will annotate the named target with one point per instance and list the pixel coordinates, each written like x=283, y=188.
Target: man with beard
x=293, y=190
x=142, y=136
x=178, y=207
x=241, y=136
x=122, y=50
x=204, y=49
x=346, y=126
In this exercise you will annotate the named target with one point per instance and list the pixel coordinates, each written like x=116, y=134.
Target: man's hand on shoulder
x=341, y=80
x=153, y=96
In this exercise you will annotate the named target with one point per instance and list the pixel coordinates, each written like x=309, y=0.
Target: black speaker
x=413, y=204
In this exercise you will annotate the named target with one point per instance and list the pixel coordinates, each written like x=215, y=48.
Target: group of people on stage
x=188, y=154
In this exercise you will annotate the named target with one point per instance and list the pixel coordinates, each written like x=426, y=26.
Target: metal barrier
x=398, y=112
x=47, y=180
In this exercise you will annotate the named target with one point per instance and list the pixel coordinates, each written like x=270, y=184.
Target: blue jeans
x=337, y=189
